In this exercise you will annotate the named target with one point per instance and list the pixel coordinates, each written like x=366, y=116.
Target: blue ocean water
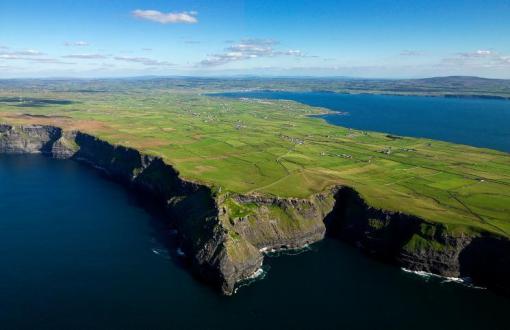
x=79, y=252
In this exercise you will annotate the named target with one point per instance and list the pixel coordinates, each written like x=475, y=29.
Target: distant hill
x=451, y=86
x=464, y=81
x=461, y=79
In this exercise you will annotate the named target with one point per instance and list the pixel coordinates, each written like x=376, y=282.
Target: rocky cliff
x=224, y=235
x=420, y=245
x=28, y=139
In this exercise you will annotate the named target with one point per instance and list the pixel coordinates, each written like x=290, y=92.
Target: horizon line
x=243, y=76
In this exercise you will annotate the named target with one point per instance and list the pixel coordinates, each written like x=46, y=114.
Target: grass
x=278, y=148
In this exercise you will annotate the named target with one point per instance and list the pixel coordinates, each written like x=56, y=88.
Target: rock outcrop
x=28, y=139
x=224, y=235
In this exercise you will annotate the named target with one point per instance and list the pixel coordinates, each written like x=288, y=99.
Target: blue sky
x=392, y=38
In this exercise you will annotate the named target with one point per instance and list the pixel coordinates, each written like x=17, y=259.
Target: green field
x=278, y=148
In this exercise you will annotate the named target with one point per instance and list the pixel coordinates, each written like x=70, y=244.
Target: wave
x=465, y=281
x=161, y=252
x=180, y=252
x=276, y=252
x=258, y=275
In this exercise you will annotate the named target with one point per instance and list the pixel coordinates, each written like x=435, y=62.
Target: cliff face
x=192, y=207
x=273, y=223
x=29, y=139
x=416, y=244
x=224, y=235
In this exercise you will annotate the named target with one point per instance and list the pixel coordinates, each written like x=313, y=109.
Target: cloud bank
x=248, y=49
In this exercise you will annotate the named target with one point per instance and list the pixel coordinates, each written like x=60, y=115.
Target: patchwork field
x=279, y=148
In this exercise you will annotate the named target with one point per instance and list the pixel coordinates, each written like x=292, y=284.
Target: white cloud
x=26, y=55
x=504, y=60
x=185, y=17
x=51, y=61
x=142, y=60
x=293, y=52
x=30, y=58
x=9, y=57
x=408, y=52
x=478, y=53
x=76, y=43
x=248, y=49
x=85, y=56
x=256, y=47
x=477, y=59
x=26, y=52
x=29, y=55
x=30, y=52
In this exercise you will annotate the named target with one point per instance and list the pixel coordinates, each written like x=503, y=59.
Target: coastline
x=225, y=252
x=445, y=279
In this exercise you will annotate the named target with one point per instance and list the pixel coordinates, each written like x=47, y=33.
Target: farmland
x=279, y=148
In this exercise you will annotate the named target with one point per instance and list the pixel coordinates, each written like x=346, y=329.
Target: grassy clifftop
x=277, y=148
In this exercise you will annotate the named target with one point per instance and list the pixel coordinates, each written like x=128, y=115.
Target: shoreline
x=225, y=253
x=458, y=280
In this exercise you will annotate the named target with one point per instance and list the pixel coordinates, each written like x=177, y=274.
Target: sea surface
x=78, y=251
x=473, y=121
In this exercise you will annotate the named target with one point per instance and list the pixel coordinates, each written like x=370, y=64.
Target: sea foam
x=465, y=281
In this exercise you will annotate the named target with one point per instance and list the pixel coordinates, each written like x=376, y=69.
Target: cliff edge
x=224, y=235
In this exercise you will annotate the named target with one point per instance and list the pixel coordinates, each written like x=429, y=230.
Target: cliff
x=224, y=235
x=416, y=244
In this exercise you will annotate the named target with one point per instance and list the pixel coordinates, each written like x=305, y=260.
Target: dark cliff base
x=224, y=235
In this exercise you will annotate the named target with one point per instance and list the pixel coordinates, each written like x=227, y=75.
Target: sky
x=365, y=38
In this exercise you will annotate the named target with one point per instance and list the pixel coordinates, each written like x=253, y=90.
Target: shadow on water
x=166, y=241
